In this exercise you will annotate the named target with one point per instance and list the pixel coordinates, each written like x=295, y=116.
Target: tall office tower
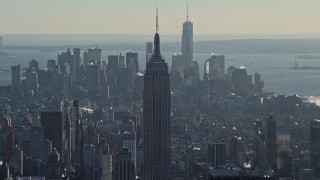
x=32, y=84
x=16, y=80
x=177, y=72
x=122, y=61
x=156, y=116
x=88, y=162
x=88, y=132
x=65, y=58
x=249, y=80
x=37, y=141
x=178, y=64
x=124, y=167
x=283, y=148
x=65, y=69
x=230, y=70
x=271, y=140
x=76, y=136
x=4, y=171
x=52, y=126
x=138, y=87
x=258, y=83
x=62, y=58
x=234, y=151
x=9, y=144
x=217, y=154
x=187, y=42
x=93, y=73
x=259, y=145
x=103, y=79
x=85, y=60
x=149, y=49
x=80, y=173
x=73, y=121
x=17, y=160
x=66, y=125
x=112, y=69
x=124, y=79
x=132, y=63
x=130, y=144
x=196, y=70
x=34, y=64
x=257, y=79
x=284, y=160
x=95, y=56
x=315, y=143
x=113, y=64
x=92, y=137
x=214, y=68
x=239, y=80
x=51, y=65
x=76, y=64
x=106, y=163
x=69, y=57
x=53, y=166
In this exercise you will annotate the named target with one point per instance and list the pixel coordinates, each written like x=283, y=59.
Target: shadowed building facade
x=16, y=80
x=52, y=126
x=156, y=117
x=271, y=140
x=315, y=143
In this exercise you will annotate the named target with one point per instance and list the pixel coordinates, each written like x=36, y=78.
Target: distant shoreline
x=301, y=47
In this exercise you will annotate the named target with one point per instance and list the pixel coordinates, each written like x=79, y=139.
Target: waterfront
x=272, y=67
x=258, y=53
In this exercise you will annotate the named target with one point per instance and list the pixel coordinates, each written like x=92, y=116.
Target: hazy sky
x=138, y=16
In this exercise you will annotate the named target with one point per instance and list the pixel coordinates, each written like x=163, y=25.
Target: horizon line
x=213, y=34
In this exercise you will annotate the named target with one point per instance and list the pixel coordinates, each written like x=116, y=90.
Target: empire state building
x=156, y=116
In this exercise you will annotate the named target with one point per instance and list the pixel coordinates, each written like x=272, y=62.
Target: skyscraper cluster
x=93, y=116
x=184, y=70
x=215, y=68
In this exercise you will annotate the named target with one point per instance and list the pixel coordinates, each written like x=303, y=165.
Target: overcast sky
x=138, y=16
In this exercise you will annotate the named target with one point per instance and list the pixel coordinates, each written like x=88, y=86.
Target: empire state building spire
x=156, y=52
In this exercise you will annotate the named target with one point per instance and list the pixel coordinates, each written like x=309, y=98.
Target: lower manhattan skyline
x=125, y=17
x=230, y=91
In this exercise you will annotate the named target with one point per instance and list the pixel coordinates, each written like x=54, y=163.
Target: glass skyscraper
x=187, y=43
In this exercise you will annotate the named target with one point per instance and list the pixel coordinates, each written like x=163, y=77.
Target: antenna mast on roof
x=187, y=11
x=157, y=23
